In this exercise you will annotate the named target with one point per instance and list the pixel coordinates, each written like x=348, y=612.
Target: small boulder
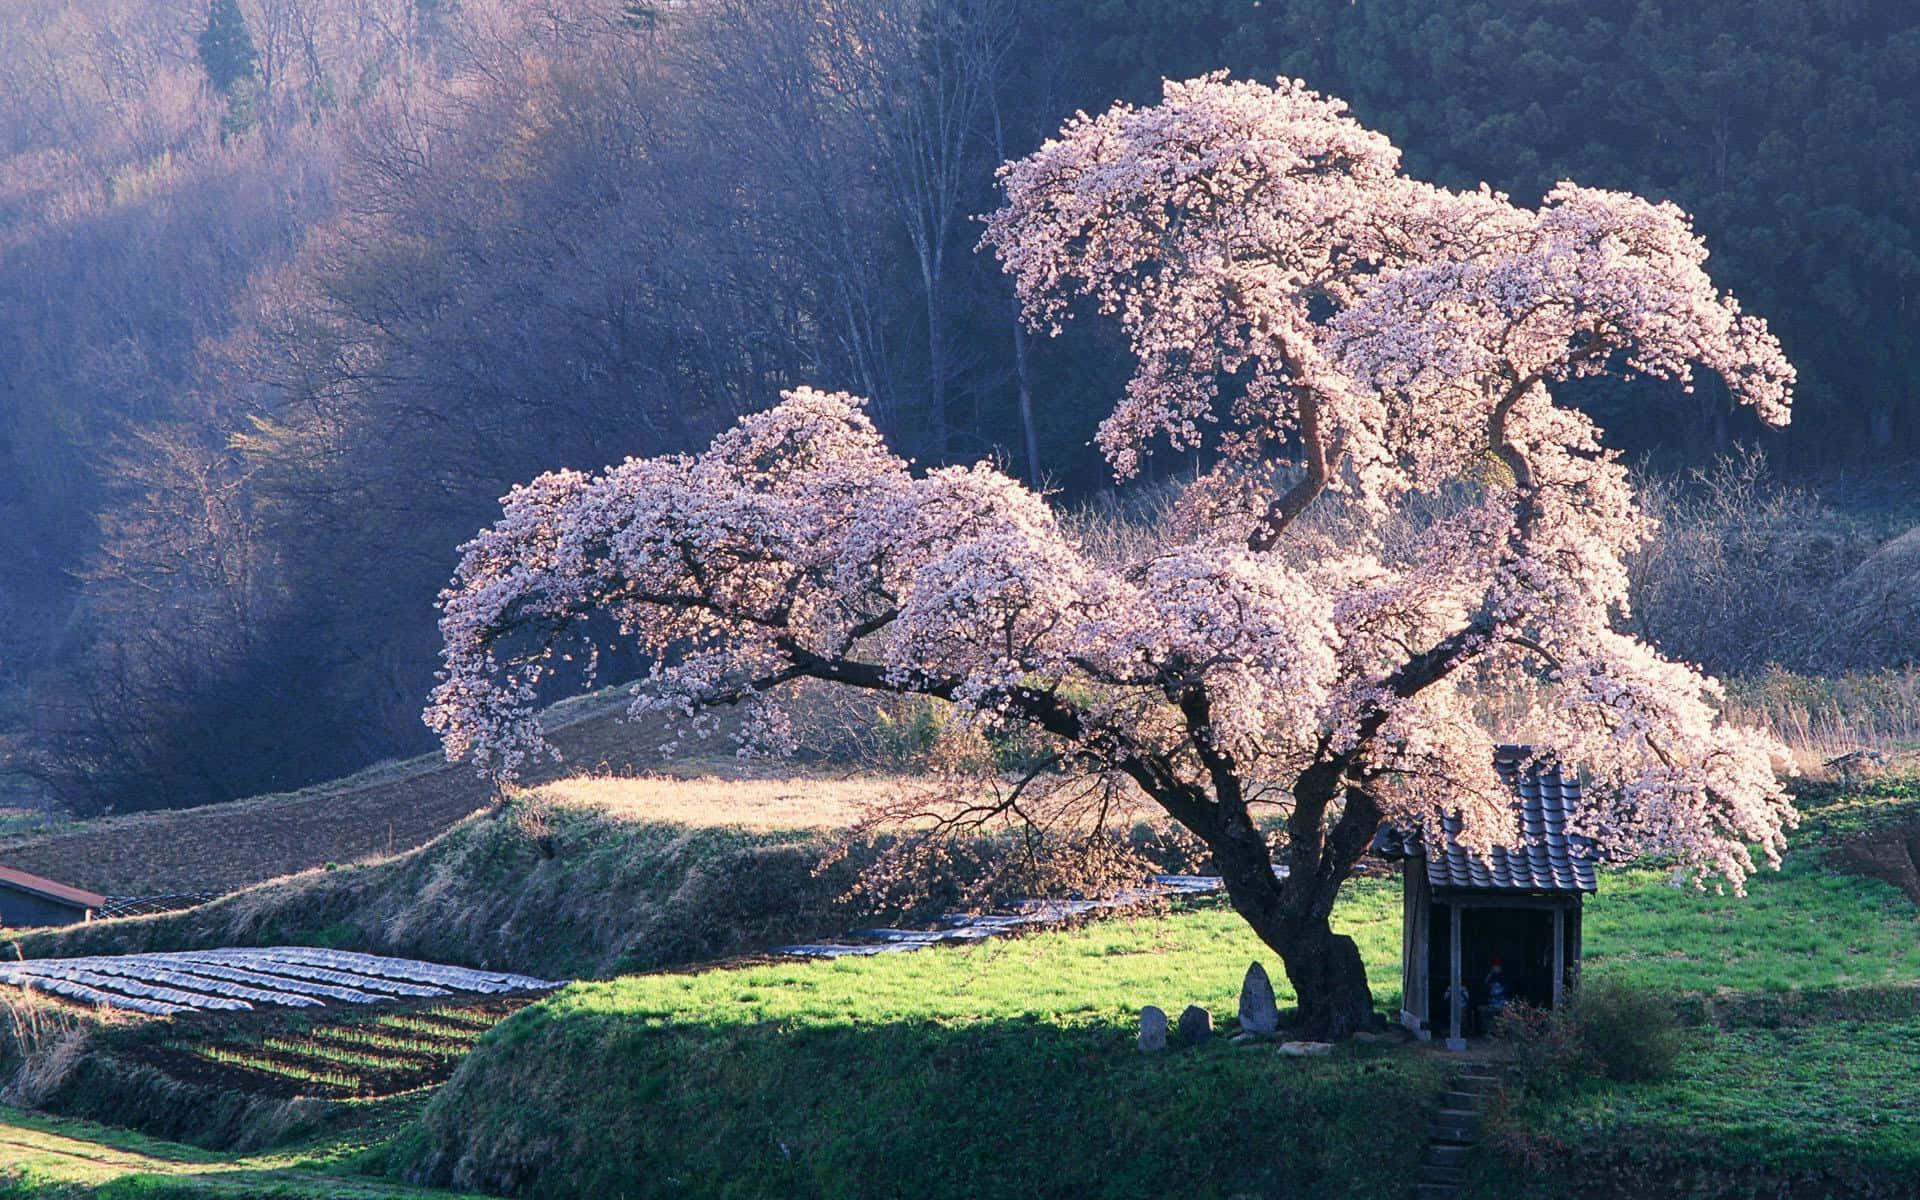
x=1305, y=1049
x=1153, y=1028
x=1258, y=1011
x=1196, y=1025
x=1394, y=1033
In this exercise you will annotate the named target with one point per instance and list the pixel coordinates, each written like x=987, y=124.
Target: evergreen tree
x=226, y=46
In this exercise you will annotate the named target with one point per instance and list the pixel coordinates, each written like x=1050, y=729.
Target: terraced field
x=355, y=1056
x=239, y=979
x=381, y=811
x=243, y=1082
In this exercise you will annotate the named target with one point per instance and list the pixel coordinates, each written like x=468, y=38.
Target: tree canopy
x=474, y=240
x=226, y=46
x=1341, y=336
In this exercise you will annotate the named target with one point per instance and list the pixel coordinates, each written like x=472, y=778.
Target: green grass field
x=1009, y=1069
x=1798, y=1077
x=1804, y=927
x=977, y=1072
x=48, y=1158
x=1004, y=1069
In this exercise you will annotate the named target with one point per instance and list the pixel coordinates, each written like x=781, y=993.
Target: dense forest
x=292, y=291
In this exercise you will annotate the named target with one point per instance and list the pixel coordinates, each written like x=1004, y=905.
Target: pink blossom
x=1386, y=338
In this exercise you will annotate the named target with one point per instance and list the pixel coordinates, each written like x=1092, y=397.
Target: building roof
x=1551, y=858
x=22, y=881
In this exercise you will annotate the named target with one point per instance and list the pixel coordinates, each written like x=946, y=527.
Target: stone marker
x=1153, y=1028
x=1258, y=1012
x=1196, y=1025
x=1305, y=1049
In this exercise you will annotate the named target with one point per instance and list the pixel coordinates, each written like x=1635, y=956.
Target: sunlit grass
x=1101, y=972
x=828, y=1064
x=1806, y=926
x=758, y=804
x=42, y=1156
x=1002, y=1069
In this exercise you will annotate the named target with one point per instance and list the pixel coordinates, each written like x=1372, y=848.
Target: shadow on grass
x=610, y=1104
x=1776, y=1095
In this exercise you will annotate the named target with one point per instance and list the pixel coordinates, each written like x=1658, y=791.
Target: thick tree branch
x=1289, y=505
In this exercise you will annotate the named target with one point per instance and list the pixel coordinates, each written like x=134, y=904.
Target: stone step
x=1468, y=1081
x=1462, y=1100
x=1444, y=1155
x=1454, y=1176
x=1435, y=1191
x=1460, y=1133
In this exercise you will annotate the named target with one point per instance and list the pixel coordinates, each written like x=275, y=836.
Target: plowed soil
x=384, y=810
x=269, y=1054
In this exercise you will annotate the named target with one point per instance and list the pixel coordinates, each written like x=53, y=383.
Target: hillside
x=229, y=497
x=557, y=888
x=980, y=1071
x=387, y=809
x=1011, y=1071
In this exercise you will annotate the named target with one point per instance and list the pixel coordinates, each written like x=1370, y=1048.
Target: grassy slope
x=574, y=891
x=1044, y=1031
x=806, y=1078
x=1798, y=1078
x=999, y=1070
x=579, y=877
x=1009, y=1069
x=1829, y=1108
x=47, y=1158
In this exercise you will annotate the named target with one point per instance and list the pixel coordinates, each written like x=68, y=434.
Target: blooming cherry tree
x=1333, y=335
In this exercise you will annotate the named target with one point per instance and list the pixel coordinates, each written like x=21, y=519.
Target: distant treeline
x=292, y=290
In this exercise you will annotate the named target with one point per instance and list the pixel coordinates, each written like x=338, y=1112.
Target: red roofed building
x=28, y=900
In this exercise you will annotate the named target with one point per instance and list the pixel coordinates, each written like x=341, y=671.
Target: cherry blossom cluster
x=1324, y=325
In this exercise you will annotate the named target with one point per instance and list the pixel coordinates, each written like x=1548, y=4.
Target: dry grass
x=613, y=766
x=609, y=765
x=761, y=805
x=1826, y=717
x=41, y=1040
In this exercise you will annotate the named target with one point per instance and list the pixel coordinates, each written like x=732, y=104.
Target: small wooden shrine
x=1479, y=934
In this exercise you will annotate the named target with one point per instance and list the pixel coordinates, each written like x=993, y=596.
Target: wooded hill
x=293, y=290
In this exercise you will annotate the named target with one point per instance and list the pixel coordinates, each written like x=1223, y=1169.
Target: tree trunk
x=1291, y=916
x=1329, y=979
x=1025, y=384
